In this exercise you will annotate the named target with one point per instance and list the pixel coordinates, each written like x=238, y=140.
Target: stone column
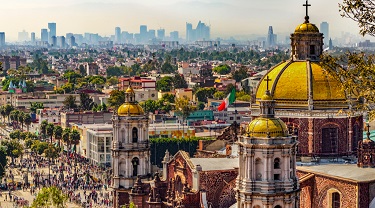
x=350, y=135
x=311, y=136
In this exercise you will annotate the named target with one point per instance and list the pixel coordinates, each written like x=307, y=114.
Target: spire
x=307, y=11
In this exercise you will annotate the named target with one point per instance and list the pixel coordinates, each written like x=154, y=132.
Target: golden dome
x=293, y=81
x=129, y=90
x=132, y=109
x=306, y=27
x=267, y=127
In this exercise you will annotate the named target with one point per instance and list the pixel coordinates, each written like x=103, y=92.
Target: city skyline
x=79, y=16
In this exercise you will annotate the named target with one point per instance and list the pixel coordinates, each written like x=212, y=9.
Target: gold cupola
x=266, y=125
x=131, y=106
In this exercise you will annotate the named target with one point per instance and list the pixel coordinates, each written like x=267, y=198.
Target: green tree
x=179, y=81
x=184, y=108
x=229, y=88
x=70, y=102
x=57, y=133
x=164, y=84
x=167, y=67
x=43, y=128
x=36, y=105
x=114, y=71
x=116, y=98
x=13, y=148
x=20, y=118
x=87, y=102
x=49, y=130
x=8, y=110
x=29, y=142
x=71, y=76
x=39, y=147
x=240, y=74
x=15, y=134
x=66, y=136
x=74, y=138
x=201, y=106
x=149, y=106
x=50, y=197
x=27, y=119
x=51, y=151
x=3, y=160
x=112, y=81
x=203, y=93
x=222, y=69
x=3, y=113
x=219, y=95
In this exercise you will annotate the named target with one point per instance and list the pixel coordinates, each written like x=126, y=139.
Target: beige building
x=88, y=117
x=24, y=100
x=180, y=93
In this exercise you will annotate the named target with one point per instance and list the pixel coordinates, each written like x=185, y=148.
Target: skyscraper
x=52, y=30
x=2, y=39
x=33, y=37
x=189, y=32
x=44, y=35
x=117, y=35
x=143, y=33
x=324, y=28
x=161, y=34
x=270, y=37
x=174, y=35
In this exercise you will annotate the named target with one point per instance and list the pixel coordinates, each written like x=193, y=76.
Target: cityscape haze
x=242, y=19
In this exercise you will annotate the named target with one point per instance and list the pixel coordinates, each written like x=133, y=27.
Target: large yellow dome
x=267, y=127
x=293, y=83
x=132, y=109
x=306, y=27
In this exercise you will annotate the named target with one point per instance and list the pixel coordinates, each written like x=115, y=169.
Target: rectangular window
x=231, y=118
x=330, y=140
x=312, y=49
x=276, y=177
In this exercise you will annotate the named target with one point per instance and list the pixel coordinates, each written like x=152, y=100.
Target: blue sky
x=227, y=18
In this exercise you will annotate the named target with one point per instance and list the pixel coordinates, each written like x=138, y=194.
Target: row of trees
x=68, y=136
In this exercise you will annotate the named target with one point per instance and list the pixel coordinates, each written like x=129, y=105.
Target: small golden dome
x=306, y=27
x=267, y=97
x=129, y=90
x=132, y=109
x=267, y=127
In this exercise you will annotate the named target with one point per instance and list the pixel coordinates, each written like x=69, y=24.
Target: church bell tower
x=130, y=147
x=267, y=162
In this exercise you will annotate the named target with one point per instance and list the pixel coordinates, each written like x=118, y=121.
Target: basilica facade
x=310, y=101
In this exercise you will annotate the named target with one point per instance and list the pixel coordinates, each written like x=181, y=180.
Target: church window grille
x=276, y=163
x=258, y=169
x=356, y=135
x=135, y=135
x=135, y=164
x=312, y=49
x=335, y=200
x=330, y=140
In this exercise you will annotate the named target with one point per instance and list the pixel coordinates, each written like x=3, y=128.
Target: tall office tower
x=324, y=28
x=23, y=36
x=143, y=33
x=161, y=34
x=72, y=41
x=202, y=32
x=189, y=32
x=44, y=35
x=151, y=34
x=270, y=37
x=53, y=41
x=52, y=30
x=174, y=35
x=117, y=35
x=2, y=39
x=33, y=37
x=61, y=42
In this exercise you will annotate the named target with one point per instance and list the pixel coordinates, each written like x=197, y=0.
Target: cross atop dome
x=307, y=11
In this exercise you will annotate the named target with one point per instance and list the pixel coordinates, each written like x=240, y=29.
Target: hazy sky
x=227, y=18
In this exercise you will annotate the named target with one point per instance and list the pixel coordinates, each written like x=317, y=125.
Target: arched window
x=335, y=200
x=330, y=140
x=258, y=169
x=135, y=135
x=135, y=163
x=276, y=163
x=277, y=206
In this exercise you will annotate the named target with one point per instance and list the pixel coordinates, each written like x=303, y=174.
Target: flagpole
x=235, y=111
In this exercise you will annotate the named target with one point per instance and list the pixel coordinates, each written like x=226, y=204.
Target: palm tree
x=74, y=138
x=43, y=126
x=57, y=133
x=65, y=137
x=27, y=120
x=20, y=118
x=8, y=109
x=2, y=112
x=49, y=130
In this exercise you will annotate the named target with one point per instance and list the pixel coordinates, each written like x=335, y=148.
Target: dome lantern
x=131, y=106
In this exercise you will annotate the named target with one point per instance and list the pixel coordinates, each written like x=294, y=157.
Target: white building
x=99, y=144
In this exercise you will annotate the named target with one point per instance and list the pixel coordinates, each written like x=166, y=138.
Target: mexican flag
x=228, y=100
